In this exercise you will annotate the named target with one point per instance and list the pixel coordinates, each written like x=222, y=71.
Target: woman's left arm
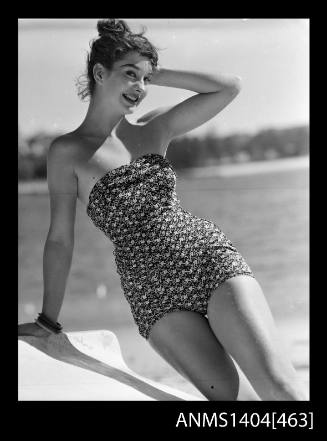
x=214, y=93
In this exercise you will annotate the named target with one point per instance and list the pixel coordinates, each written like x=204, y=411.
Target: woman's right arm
x=59, y=245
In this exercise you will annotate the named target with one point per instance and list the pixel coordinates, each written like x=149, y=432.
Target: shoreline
x=249, y=168
x=223, y=170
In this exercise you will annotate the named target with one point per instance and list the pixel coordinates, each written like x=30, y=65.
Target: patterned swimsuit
x=167, y=258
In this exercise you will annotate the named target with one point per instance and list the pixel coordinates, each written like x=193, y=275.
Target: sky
x=270, y=55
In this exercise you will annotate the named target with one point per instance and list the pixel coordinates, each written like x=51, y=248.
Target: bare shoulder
x=65, y=147
x=62, y=157
x=63, y=189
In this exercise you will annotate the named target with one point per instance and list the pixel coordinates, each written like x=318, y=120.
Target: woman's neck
x=99, y=121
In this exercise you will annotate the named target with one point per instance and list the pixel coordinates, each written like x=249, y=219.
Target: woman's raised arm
x=214, y=93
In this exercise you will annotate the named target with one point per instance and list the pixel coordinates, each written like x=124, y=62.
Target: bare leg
x=185, y=340
x=241, y=319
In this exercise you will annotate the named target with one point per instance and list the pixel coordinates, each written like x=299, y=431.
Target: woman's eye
x=131, y=73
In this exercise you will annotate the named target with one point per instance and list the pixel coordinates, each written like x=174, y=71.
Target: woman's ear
x=98, y=73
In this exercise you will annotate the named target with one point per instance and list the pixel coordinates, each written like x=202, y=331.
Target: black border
x=152, y=419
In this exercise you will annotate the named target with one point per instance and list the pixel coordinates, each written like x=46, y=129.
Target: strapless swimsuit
x=167, y=258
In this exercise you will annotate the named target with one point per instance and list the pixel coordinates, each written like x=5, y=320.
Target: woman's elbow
x=236, y=84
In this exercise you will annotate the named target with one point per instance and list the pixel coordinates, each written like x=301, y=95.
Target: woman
x=192, y=295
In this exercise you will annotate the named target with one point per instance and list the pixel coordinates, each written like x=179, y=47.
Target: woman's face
x=125, y=85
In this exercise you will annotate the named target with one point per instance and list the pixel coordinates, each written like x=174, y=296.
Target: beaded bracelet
x=44, y=322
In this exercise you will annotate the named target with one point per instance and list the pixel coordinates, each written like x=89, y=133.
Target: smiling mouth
x=130, y=99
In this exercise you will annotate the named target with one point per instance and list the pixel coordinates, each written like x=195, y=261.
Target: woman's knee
x=188, y=344
x=282, y=387
x=226, y=390
x=273, y=376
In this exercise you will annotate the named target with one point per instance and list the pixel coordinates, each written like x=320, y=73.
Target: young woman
x=191, y=293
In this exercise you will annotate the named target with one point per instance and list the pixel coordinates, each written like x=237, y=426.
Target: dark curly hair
x=115, y=40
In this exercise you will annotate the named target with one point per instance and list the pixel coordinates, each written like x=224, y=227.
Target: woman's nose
x=140, y=86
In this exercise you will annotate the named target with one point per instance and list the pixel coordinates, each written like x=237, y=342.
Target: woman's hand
x=155, y=72
x=32, y=329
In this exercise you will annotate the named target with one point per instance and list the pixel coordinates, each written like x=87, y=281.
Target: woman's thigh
x=240, y=317
x=185, y=340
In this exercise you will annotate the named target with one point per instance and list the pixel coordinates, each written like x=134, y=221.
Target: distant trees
x=279, y=143
x=188, y=151
x=267, y=144
x=32, y=156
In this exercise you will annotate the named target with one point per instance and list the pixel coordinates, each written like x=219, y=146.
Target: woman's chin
x=129, y=110
x=128, y=107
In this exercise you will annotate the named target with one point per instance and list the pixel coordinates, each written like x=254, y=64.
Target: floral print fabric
x=167, y=258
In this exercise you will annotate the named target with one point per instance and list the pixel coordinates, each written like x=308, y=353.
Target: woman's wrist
x=49, y=325
x=155, y=75
x=162, y=77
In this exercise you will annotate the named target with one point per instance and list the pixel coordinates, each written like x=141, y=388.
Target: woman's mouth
x=131, y=99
